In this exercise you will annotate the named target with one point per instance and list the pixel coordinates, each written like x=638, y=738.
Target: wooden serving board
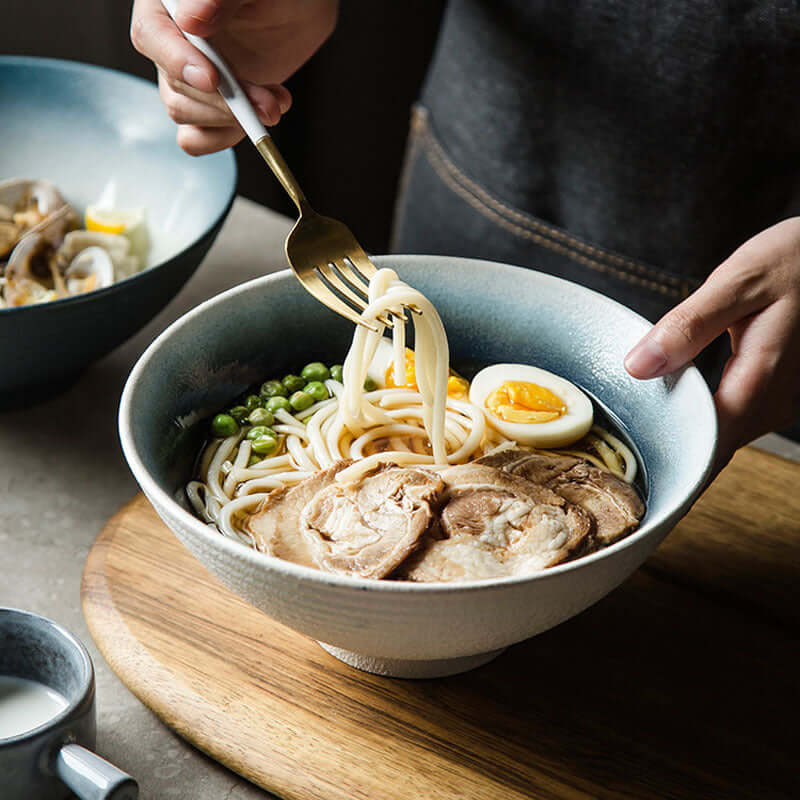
x=683, y=683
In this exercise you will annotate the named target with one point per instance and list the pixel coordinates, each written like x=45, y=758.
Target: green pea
x=370, y=385
x=224, y=425
x=315, y=371
x=273, y=389
x=265, y=445
x=301, y=401
x=293, y=383
x=253, y=402
x=238, y=413
x=317, y=389
x=260, y=416
x=259, y=431
x=278, y=403
x=337, y=372
x=254, y=460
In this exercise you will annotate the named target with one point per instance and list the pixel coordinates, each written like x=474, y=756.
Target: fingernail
x=646, y=359
x=202, y=11
x=284, y=104
x=195, y=77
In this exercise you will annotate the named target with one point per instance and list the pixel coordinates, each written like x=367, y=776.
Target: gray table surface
x=62, y=475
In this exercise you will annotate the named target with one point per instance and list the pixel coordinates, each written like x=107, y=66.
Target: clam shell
x=90, y=269
x=118, y=248
x=31, y=205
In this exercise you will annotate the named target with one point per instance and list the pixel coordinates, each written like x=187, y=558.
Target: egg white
x=384, y=356
x=560, y=432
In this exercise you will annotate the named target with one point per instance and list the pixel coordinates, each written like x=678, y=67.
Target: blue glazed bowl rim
x=89, y=297
x=87, y=674
x=258, y=560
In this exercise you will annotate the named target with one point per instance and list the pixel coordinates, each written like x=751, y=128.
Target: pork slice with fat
x=275, y=527
x=367, y=528
x=615, y=505
x=497, y=525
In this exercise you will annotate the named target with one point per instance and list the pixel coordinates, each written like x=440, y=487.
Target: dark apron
x=623, y=147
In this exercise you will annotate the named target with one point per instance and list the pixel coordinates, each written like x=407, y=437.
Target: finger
x=209, y=98
x=204, y=17
x=197, y=141
x=156, y=36
x=758, y=391
x=185, y=104
x=186, y=110
x=733, y=291
x=270, y=102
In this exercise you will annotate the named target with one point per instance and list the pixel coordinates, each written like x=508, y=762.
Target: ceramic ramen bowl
x=492, y=313
x=92, y=131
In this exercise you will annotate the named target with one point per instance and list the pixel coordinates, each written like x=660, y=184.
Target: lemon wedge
x=113, y=220
x=130, y=223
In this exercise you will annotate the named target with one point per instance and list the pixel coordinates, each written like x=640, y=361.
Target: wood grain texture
x=680, y=684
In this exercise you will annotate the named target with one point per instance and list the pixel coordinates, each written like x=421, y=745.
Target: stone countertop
x=62, y=475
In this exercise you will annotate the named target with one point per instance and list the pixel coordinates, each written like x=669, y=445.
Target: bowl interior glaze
x=92, y=131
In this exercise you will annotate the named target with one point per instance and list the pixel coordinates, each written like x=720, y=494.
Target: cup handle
x=92, y=777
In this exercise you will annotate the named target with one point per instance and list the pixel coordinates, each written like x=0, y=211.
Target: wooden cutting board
x=680, y=684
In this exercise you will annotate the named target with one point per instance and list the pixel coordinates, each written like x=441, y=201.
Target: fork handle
x=229, y=88
x=241, y=108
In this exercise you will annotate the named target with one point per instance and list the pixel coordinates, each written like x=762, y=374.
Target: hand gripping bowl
x=87, y=130
x=492, y=313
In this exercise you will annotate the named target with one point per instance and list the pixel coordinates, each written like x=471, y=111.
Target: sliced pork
x=275, y=527
x=367, y=529
x=497, y=524
x=614, y=504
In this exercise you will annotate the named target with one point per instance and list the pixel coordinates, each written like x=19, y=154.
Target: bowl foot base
x=411, y=668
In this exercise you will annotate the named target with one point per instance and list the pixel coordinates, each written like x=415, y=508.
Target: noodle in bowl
x=216, y=351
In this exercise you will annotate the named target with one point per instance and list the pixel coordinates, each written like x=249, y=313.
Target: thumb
x=204, y=17
x=693, y=324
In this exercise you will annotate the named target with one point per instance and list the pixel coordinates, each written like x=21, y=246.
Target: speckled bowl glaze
x=492, y=313
x=85, y=128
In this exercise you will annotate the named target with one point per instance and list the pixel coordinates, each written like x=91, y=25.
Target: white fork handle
x=229, y=88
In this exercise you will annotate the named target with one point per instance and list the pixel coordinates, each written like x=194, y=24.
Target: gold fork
x=322, y=252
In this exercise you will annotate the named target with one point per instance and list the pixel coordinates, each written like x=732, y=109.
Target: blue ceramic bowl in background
x=85, y=128
x=492, y=313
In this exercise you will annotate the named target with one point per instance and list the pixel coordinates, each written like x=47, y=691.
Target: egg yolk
x=457, y=387
x=526, y=403
x=409, y=379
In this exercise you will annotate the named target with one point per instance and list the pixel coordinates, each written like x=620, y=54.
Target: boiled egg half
x=381, y=372
x=531, y=405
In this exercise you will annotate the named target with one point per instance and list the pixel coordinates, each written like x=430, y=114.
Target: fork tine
x=362, y=263
x=351, y=278
x=334, y=280
x=316, y=286
x=329, y=274
x=345, y=271
x=349, y=274
x=363, y=266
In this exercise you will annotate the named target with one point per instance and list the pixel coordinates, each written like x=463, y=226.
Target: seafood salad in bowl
x=47, y=252
x=416, y=506
x=102, y=218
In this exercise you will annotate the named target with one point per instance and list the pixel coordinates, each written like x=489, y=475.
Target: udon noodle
x=398, y=425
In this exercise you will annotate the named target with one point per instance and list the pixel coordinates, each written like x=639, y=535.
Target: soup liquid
x=25, y=705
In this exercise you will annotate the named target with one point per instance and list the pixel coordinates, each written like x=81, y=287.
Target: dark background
x=371, y=69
